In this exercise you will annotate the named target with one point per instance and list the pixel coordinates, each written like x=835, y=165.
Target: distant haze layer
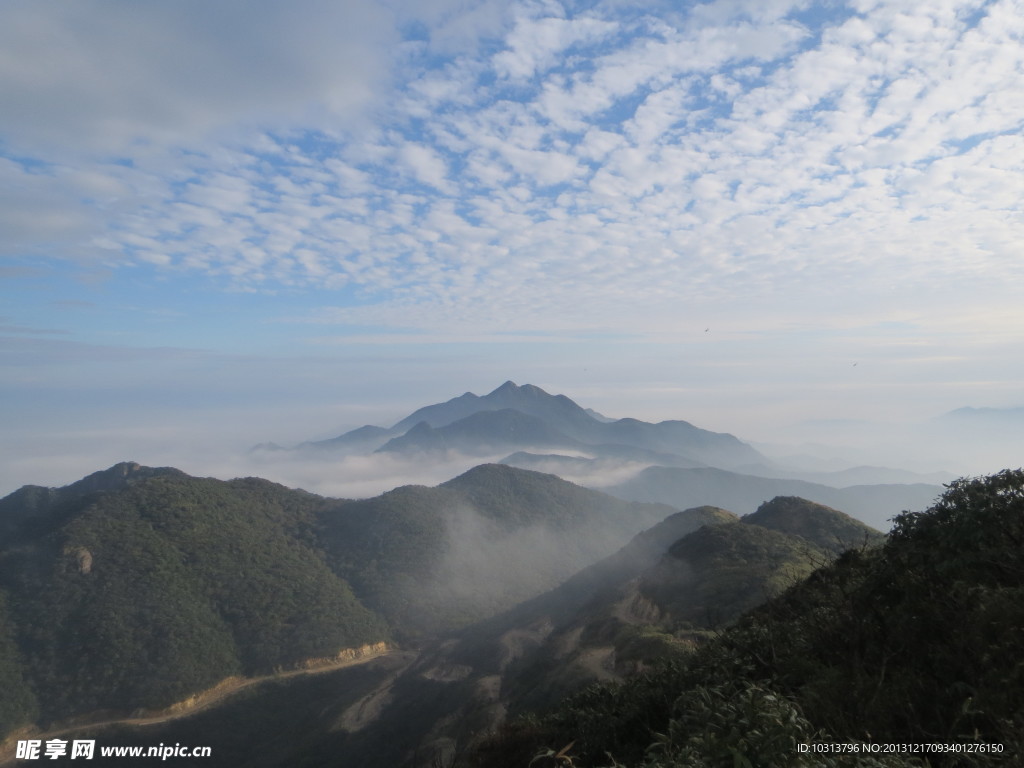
x=216, y=442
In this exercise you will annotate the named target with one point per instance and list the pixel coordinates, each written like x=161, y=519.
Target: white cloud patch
x=426, y=165
x=537, y=44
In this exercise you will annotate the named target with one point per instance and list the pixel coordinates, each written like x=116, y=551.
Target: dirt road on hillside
x=210, y=697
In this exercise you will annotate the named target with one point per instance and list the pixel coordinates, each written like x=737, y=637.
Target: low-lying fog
x=218, y=444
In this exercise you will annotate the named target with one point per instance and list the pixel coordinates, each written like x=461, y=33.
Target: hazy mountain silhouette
x=514, y=418
x=685, y=487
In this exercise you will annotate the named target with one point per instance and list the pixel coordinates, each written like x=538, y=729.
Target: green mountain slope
x=164, y=586
x=827, y=528
x=33, y=510
x=918, y=641
x=137, y=587
x=433, y=559
x=517, y=497
x=608, y=621
x=695, y=572
x=711, y=576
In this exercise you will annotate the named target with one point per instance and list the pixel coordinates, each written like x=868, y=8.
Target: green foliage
x=157, y=590
x=518, y=497
x=919, y=641
x=826, y=528
x=925, y=637
x=136, y=587
x=436, y=559
x=388, y=548
x=744, y=725
x=712, y=573
x=716, y=573
x=18, y=705
x=645, y=644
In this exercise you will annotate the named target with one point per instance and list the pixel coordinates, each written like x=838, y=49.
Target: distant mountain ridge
x=482, y=432
x=515, y=418
x=528, y=399
x=683, y=487
x=671, y=462
x=1000, y=416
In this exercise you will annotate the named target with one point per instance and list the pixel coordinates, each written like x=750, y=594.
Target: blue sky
x=228, y=222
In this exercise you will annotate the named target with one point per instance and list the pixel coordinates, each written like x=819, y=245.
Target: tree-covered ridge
x=711, y=576
x=516, y=497
x=33, y=510
x=917, y=641
x=827, y=528
x=388, y=547
x=434, y=559
x=673, y=586
x=167, y=585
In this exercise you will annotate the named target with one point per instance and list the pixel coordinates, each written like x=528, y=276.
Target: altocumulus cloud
x=425, y=159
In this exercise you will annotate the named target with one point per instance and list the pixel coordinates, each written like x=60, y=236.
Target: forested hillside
x=714, y=639
x=918, y=641
x=667, y=591
x=137, y=587
x=139, y=596
x=435, y=559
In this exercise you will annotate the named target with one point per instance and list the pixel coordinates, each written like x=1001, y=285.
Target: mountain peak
x=508, y=387
x=824, y=526
x=512, y=392
x=118, y=476
x=511, y=388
